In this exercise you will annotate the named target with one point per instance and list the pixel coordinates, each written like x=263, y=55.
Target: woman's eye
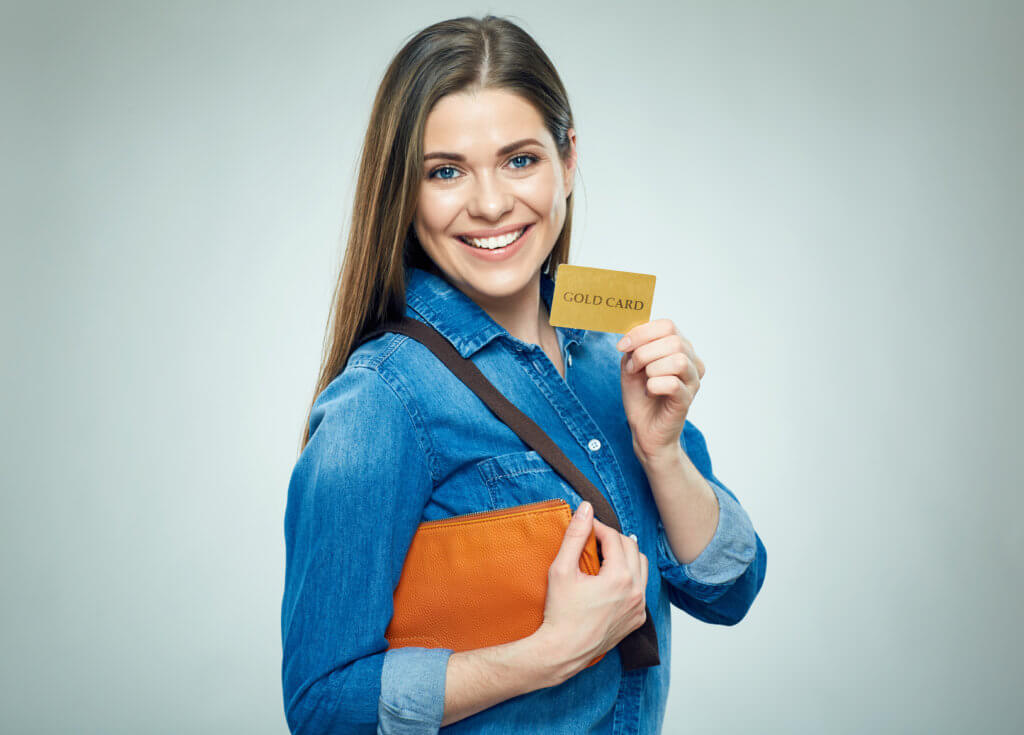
x=438, y=170
x=529, y=157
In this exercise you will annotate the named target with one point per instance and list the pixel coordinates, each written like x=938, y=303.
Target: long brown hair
x=458, y=55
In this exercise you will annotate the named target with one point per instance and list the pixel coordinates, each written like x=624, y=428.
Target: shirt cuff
x=723, y=560
x=412, y=685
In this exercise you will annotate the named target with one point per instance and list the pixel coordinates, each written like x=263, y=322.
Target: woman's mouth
x=495, y=243
x=497, y=248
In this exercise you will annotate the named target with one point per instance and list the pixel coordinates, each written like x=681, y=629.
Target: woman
x=463, y=209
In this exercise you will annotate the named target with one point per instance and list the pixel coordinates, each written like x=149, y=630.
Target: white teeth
x=493, y=243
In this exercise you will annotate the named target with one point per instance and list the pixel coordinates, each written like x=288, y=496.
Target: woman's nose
x=489, y=198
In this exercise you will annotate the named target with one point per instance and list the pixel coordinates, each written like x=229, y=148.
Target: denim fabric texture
x=396, y=439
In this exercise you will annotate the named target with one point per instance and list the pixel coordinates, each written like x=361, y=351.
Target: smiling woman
x=490, y=212
x=462, y=212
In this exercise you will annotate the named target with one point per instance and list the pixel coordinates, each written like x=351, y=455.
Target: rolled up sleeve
x=734, y=556
x=412, y=690
x=355, y=501
x=726, y=556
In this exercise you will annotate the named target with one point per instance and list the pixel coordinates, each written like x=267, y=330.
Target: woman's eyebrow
x=501, y=151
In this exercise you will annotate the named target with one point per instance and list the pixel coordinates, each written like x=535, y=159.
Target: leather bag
x=480, y=579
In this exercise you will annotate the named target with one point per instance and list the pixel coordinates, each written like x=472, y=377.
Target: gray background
x=829, y=194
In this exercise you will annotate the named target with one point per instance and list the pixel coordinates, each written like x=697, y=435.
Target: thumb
x=578, y=532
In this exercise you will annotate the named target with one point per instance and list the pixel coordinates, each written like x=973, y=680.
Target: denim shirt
x=397, y=439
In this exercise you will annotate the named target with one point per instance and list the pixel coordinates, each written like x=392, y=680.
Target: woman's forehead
x=481, y=123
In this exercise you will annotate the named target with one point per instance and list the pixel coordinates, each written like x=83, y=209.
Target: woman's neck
x=523, y=315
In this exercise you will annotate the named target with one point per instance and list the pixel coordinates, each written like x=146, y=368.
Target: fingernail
x=625, y=343
x=584, y=509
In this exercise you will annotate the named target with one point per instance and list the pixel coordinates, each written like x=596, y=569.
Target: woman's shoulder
x=380, y=375
x=363, y=417
x=397, y=359
x=362, y=435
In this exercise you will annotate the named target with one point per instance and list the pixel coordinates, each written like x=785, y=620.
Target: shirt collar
x=460, y=320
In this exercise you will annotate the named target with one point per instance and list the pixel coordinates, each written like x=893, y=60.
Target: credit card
x=600, y=299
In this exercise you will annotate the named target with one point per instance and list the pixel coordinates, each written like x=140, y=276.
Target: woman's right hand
x=587, y=615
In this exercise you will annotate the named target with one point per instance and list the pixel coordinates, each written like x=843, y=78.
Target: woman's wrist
x=555, y=663
x=482, y=677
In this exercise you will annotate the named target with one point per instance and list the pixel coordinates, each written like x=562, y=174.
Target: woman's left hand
x=660, y=375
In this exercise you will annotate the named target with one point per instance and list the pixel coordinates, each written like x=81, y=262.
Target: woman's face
x=490, y=169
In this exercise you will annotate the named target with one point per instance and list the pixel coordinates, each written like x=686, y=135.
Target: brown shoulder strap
x=639, y=648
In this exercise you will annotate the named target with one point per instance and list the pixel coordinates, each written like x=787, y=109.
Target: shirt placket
x=588, y=435
x=579, y=422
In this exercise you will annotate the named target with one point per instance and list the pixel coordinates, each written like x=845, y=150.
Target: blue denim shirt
x=397, y=439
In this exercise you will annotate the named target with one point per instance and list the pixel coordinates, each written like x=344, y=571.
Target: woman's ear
x=569, y=168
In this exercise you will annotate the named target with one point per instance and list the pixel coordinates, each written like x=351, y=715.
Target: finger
x=667, y=367
x=654, y=350
x=665, y=346
x=692, y=353
x=611, y=543
x=669, y=385
x=675, y=363
x=699, y=365
x=576, y=536
x=633, y=551
x=643, y=333
x=691, y=377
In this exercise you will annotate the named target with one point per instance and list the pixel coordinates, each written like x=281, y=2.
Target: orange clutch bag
x=481, y=579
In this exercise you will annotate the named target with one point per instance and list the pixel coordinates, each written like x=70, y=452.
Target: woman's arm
x=355, y=501
x=483, y=677
x=718, y=585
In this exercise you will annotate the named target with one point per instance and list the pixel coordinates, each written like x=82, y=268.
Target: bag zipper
x=495, y=513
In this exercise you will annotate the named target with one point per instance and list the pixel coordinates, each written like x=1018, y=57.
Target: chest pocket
x=524, y=477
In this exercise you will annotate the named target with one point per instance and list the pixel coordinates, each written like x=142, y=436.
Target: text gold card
x=600, y=299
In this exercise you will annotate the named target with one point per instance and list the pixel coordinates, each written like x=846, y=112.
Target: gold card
x=600, y=299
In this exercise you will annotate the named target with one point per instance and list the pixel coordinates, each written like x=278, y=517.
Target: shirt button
x=568, y=358
x=594, y=444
